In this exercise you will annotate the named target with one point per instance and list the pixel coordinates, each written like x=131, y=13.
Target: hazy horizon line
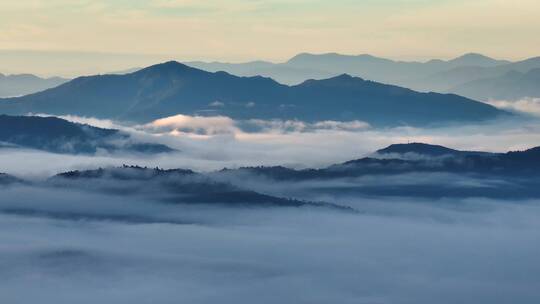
x=125, y=60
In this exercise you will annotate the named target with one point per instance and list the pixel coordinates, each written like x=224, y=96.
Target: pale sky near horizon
x=274, y=30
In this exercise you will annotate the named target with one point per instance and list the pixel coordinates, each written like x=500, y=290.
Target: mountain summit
x=475, y=59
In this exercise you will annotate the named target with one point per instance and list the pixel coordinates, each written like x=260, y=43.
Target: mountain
x=459, y=174
x=422, y=149
x=61, y=136
x=23, y=84
x=448, y=80
x=304, y=66
x=6, y=179
x=513, y=85
x=283, y=73
x=171, y=88
x=514, y=163
x=475, y=59
x=390, y=161
x=511, y=175
x=434, y=75
x=171, y=186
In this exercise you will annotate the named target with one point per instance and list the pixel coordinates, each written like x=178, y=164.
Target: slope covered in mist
x=511, y=86
x=61, y=136
x=23, y=84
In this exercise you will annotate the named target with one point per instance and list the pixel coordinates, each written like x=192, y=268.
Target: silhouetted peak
x=334, y=57
x=343, y=79
x=475, y=59
x=300, y=57
x=435, y=61
x=172, y=63
x=532, y=152
x=309, y=58
x=473, y=56
x=169, y=66
x=418, y=148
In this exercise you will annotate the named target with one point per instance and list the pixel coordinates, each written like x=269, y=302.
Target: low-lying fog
x=392, y=251
x=211, y=143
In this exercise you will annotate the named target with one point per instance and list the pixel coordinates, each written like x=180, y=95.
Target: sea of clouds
x=62, y=246
x=212, y=143
x=65, y=246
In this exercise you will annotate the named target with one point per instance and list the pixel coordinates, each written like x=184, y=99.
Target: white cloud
x=211, y=143
x=202, y=125
x=528, y=105
x=217, y=104
x=100, y=123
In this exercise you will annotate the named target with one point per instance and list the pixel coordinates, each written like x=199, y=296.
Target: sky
x=123, y=33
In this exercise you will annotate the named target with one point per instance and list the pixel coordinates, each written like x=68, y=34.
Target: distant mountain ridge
x=423, y=149
x=23, y=84
x=172, y=88
x=434, y=75
x=512, y=85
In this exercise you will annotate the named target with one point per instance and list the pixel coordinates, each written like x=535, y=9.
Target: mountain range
x=170, y=186
x=423, y=150
x=441, y=172
x=172, y=88
x=469, y=75
x=433, y=75
x=57, y=135
x=435, y=172
x=512, y=85
x=398, y=159
x=23, y=84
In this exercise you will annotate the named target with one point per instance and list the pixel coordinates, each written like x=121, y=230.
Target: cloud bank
x=466, y=251
x=212, y=143
x=526, y=105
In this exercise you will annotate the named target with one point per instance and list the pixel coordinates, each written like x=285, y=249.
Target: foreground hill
x=440, y=173
x=6, y=179
x=172, y=88
x=23, y=84
x=419, y=157
x=436, y=172
x=171, y=186
x=61, y=136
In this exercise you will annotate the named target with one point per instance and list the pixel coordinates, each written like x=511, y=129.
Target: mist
x=122, y=241
x=467, y=251
x=530, y=105
x=212, y=143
